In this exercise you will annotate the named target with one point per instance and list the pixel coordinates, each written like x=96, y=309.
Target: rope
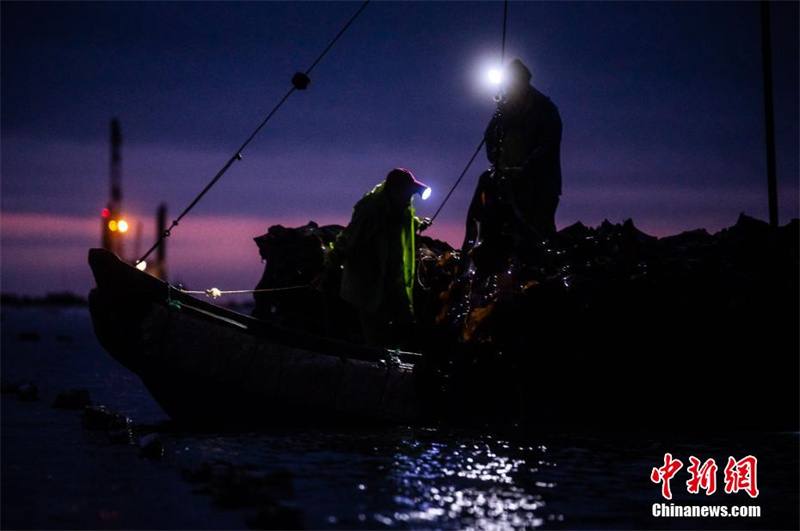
x=422, y=272
x=471, y=160
x=502, y=60
x=299, y=81
x=503, y=45
x=217, y=293
x=319, y=58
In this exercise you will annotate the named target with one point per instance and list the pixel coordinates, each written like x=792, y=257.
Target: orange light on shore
x=112, y=225
x=122, y=225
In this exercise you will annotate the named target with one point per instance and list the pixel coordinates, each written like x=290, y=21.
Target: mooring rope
x=300, y=81
x=215, y=293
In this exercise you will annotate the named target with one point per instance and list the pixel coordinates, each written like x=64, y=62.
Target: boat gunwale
x=121, y=280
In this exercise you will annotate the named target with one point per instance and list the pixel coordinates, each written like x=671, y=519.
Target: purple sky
x=662, y=105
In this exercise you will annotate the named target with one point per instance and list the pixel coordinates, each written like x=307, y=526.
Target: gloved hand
x=424, y=223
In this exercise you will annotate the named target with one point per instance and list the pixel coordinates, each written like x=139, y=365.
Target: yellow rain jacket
x=378, y=254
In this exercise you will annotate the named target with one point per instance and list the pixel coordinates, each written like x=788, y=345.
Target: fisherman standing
x=377, y=254
x=523, y=143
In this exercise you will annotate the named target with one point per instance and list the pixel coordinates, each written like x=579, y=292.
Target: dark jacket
x=531, y=139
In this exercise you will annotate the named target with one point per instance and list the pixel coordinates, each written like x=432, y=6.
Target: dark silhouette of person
x=377, y=254
x=523, y=144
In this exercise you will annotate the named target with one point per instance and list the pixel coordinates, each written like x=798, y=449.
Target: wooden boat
x=205, y=364
x=593, y=354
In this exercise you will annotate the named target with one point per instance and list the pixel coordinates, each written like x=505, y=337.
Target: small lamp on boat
x=141, y=266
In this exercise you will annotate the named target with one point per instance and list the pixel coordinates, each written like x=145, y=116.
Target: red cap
x=402, y=177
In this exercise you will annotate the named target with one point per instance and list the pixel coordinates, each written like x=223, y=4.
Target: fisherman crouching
x=377, y=256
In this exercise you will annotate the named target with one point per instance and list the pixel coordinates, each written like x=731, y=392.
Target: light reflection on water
x=401, y=478
x=417, y=478
x=466, y=485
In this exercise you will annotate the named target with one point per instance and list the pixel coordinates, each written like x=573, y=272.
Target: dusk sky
x=662, y=106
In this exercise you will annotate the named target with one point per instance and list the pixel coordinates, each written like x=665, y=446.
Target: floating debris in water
x=119, y=428
x=25, y=390
x=233, y=487
x=151, y=447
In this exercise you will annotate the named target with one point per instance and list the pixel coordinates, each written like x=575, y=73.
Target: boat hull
x=207, y=365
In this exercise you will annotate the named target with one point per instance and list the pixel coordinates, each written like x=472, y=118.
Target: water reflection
x=477, y=485
x=371, y=478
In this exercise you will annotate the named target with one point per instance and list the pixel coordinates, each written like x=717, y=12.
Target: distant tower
x=113, y=226
x=116, y=162
x=769, y=113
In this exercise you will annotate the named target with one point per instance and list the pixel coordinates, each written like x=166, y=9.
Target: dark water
x=56, y=475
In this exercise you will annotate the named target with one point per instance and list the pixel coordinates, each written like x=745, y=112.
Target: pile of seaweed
x=588, y=325
x=620, y=270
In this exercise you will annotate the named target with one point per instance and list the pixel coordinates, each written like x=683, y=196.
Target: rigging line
x=238, y=154
x=308, y=71
x=471, y=160
x=505, y=20
x=502, y=59
x=318, y=59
